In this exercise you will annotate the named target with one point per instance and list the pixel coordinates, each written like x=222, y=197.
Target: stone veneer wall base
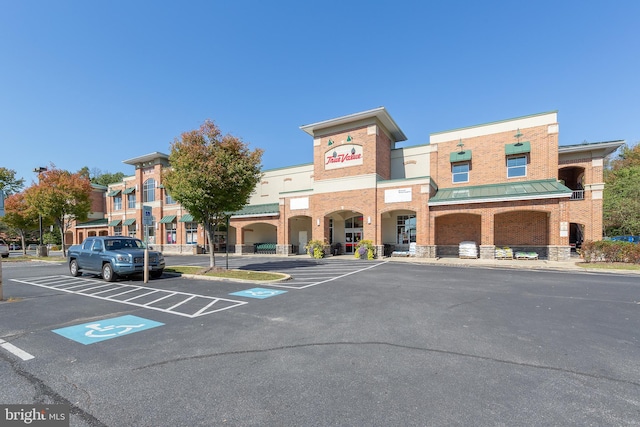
x=559, y=253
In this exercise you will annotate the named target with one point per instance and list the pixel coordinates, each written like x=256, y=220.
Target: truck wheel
x=156, y=274
x=73, y=268
x=107, y=273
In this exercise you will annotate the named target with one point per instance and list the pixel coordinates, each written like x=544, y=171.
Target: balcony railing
x=577, y=195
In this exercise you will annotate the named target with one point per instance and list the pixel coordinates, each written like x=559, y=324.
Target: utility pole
x=1, y=215
x=40, y=251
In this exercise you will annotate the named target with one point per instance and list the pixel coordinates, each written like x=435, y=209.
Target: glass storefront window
x=406, y=229
x=191, y=229
x=170, y=232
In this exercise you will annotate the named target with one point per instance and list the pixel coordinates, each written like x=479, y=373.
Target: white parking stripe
x=121, y=293
x=189, y=311
x=181, y=302
x=15, y=350
x=95, y=287
x=160, y=299
x=140, y=296
x=108, y=290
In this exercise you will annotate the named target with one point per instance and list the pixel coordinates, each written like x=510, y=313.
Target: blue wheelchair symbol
x=89, y=333
x=259, y=293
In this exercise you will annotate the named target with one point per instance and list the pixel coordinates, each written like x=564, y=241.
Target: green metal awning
x=517, y=148
x=461, y=156
x=114, y=223
x=186, y=218
x=93, y=223
x=129, y=221
x=266, y=209
x=129, y=190
x=167, y=219
x=113, y=193
x=523, y=190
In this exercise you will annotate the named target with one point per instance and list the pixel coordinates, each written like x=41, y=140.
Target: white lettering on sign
x=343, y=156
x=397, y=195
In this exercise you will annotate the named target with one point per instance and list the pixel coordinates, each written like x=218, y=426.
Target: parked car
x=15, y=247
x=4, y=249
x=32, y=247
x=632, y=239
x=113, y=256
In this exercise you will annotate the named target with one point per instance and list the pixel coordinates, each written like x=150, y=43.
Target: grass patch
x=610, y=265
x=23, y=258
x=225, y=274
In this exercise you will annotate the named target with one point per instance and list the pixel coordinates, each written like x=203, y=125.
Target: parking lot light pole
x=39, y=172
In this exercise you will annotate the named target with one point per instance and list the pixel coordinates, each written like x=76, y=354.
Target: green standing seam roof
x=264, y=209
x=94, y=223
x=517, y=148
x=129, y=221
x=114, y=223
x=186, y=218
x=167, y=219
x=543, y=189
x=462, y=156
x=113, y=193
x=129, y=190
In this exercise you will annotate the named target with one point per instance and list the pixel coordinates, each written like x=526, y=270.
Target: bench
x=264, y=248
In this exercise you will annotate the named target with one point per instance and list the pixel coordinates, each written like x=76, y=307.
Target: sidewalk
x=571, y=265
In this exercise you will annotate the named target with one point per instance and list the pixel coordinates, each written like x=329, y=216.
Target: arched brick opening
x=452, y=229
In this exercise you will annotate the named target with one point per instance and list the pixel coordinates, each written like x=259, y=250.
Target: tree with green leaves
x=20, y=217
x=8, y=182
x=97, y=176
x=62, y=196
x=212, y=175
x=621, y=208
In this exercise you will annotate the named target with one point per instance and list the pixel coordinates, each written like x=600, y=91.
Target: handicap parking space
x=194, y=298
x=172, y=302
x=172, y=296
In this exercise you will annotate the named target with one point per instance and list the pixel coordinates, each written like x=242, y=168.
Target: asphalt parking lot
x=345, y=343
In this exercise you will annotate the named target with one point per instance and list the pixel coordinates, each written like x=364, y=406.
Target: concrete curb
x=284, y=278
x=564, y=266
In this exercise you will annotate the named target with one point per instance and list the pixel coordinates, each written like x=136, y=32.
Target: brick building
x=506, y=183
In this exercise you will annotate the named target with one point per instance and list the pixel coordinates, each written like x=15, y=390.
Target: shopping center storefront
x=505, y=183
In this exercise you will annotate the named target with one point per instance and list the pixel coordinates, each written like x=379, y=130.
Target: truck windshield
x=115, y=244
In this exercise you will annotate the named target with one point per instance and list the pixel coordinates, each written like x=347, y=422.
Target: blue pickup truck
x=113, y=256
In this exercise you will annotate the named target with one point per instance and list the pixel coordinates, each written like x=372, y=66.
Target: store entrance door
x=352, y=233
x=302, y=241
x=351, y=237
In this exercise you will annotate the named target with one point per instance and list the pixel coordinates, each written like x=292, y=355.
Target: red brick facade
x=352, y=192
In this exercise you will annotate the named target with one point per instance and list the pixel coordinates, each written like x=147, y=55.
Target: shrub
x=610, y=251
x=315, y=248
x=365, y=248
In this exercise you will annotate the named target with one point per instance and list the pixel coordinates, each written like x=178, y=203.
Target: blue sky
x=93, y=83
